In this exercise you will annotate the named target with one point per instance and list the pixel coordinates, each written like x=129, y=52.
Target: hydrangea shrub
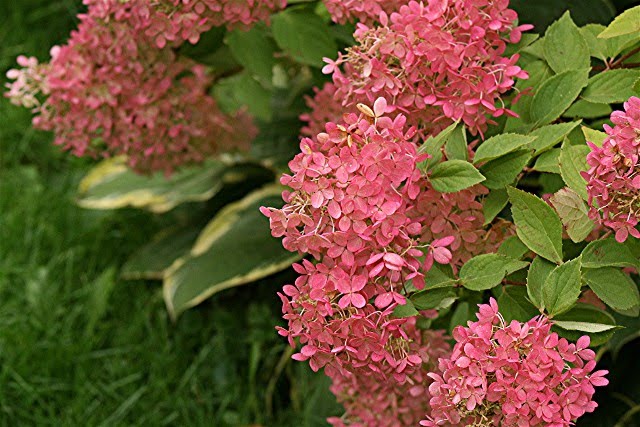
x=430, y=157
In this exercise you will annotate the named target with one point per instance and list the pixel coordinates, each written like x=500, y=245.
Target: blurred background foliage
x=80, y=346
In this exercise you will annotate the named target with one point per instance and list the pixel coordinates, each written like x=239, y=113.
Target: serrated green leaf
x=592, y=328
x=433, y=147
x=584, y=313
x=461, y=315
x=513, y=247
x=304, y=36
x=611, y=86
x=605, y=49
x=438, y=277
x=454, y=175
x=550, y=135
x=538, y=72
x=456, y=146
x=613, y=287
x=594, y=136
x=548, y=161
x=587, y=110
x=220, y=260
x=526, y=40
x=627, y=22
x=504, y=170
x=561, y=289
x=406, y=310
x=112, y=185
x=434, y=299
x=538, y=273
x=488, y=270
x=500, y=145
x=242, y=90
x=514, y=305
x=574, y=214
x=608, y=253
x=564, y=46
x=495, y=202
x=537, y=224
x=556, y=94
x=573, y=160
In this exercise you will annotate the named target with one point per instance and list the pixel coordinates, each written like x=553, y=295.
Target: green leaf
x=406, y=310
x=583, y=313
x=526, y=40
x=550, y=135
x=493, y=204
x=537, y=224
x=304, y=36
x=556, y=94
x=456, y=146
x=433, y=147
x=500, y=145
x=436, y=277
x=574, y=214
x=514, y=305
x=434, y=299
x=605, y=49
x=538, y=273
x=548, y=162
x=608, y=253
x=151, y=261
x=242, y=90
x=488, y=270
x=504, y=170
x=235, y=248
x=564, y=47
x=561, y=289
x=613, y=287
x=513, y=247
x=587, y=110
x=112, y=185
x=611, y=86
x=461, y=315
x=539, y=72
x=254, y=50
x=454, y=175
x=627, y=22
x=594, y=136
x=572, y=161
x=592, y=328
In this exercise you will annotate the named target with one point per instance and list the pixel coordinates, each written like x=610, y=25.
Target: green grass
x=78, y=346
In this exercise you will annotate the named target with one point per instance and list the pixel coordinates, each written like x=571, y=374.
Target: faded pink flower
x=613, y=179
x=513, y=375
x=365, y=11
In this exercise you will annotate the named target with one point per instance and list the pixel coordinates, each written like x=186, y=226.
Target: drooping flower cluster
x=437, y=62
x=460, y=215
x=370, y=402
x=364, y=11
x=351, y=206
x=517, y=374
x=111, y=91
x=613, y=179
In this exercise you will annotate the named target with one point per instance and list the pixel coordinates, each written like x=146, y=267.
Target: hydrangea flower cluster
x=613, y=179
x=364, y=11
x=370, y=402
x=437, y=62
x=351, y=206
x=109, y=91
x=516, y=374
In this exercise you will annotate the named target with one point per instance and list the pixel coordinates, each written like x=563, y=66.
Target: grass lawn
x=78, y=346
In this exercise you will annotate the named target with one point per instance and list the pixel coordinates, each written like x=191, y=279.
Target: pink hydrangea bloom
x=613, y=179
x=371, y=402
x=109, y=91
x=513, y=375
x=365, y=11
x=351, y=206
x=437, y=62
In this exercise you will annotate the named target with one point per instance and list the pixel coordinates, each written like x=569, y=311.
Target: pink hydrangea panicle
x=111, y=91
x=436, y=62
x=351, y=205
x=513, y=375
x=365, y=11
x=613, y=177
